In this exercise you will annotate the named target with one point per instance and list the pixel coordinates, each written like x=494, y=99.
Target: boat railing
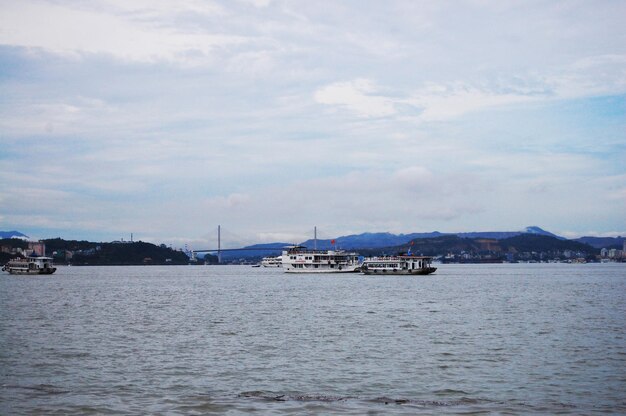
x=399, y=257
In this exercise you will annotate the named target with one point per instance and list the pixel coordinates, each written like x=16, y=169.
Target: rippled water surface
x=519, y=338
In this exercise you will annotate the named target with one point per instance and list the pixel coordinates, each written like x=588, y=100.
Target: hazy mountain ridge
x=376, y=240
x=602, y=242
x=384, y=240
x=12, y=234
x=368, y=240
x=260, y=250
x=522, y=247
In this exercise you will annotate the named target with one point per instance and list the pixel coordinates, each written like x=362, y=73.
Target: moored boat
x=272, y=261
x=30, y=266
x=401, y=264
x=299, y=259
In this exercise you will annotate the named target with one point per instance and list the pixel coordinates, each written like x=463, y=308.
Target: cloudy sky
x=166, y=118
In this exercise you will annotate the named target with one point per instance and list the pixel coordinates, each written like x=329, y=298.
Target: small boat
x=30, y=265
x=299, y=259
x=401, y=264
x=272, y=261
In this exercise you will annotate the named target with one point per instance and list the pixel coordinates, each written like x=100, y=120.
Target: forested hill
x=542, y=243
x=520, y=247
x=603, y=242
x=116, y=253
x=375, y=240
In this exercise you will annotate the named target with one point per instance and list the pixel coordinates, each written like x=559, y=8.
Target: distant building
x=488, y=244
x=37, y=248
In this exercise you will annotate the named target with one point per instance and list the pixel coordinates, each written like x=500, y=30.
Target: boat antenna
x=315, y=237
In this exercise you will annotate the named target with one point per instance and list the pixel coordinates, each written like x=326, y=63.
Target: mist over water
x=511, y=338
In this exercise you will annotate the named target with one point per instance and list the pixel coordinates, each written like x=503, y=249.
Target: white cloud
x=591, y=76
x=588, y=77
x=258, y=3
x=357, y=96
x=134, y=33
x=400, y=116
x=441, y=102
x=162, y=9
x=413, y=176
x=433, y=102
x=381, y=197
x=57, y=117
x=228, y=202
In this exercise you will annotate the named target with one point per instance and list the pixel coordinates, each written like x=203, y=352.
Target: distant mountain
x=13, y=234
x=546, y=243
x=269, y=246
x=603, y=242
x=377, y=240
x=430, y=246
x=258, y=250
x=368, y=240
x=500, y=235
x=496, y=235
x=536, y=230
x=525, y=246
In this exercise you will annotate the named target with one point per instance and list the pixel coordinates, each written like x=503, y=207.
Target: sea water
x=508, y=339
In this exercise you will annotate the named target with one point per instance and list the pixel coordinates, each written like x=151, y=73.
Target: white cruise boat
x=299, y=259
x=272, y=261
x=401, y=264
x=30, y=265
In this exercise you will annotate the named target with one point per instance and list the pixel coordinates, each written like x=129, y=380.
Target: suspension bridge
x=219, y=250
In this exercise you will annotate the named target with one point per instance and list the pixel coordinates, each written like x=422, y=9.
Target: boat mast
x=219, y=245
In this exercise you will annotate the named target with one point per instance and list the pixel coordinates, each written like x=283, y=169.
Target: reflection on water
x=519, y=338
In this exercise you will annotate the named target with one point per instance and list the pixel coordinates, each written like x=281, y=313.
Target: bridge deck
x=238, y=249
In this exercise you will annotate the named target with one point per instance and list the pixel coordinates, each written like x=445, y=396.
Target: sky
x=165, y=119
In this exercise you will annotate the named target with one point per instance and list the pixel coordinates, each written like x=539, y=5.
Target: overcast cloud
x=164, y=119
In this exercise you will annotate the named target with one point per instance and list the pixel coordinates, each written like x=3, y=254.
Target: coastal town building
x=36, y=248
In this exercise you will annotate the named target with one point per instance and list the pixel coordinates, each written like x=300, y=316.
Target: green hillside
x=90, y=253
x=522, y=247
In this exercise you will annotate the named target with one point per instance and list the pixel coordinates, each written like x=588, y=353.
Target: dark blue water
x=509, y=339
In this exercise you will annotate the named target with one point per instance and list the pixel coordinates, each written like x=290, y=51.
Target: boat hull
x=30, y=272
x=416, y=272
x=324, y=270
